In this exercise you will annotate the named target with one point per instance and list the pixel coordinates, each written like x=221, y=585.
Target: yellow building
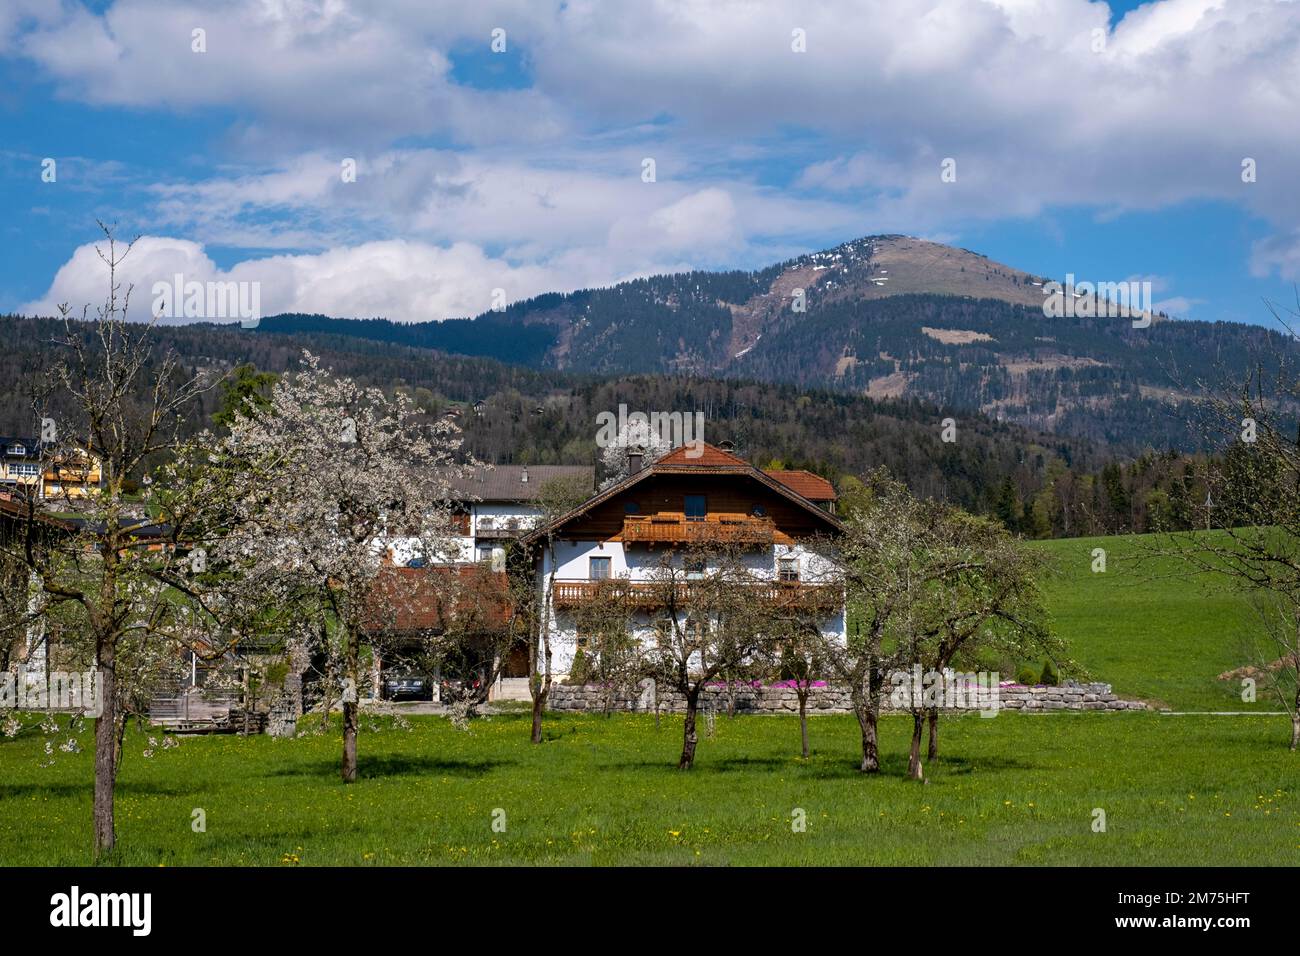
x=29, y=467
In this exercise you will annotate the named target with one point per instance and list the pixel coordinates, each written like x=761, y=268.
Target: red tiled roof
x=801, y=482
x=710, y=460
x=813, y=487
x=417, y=599
x=709, y=456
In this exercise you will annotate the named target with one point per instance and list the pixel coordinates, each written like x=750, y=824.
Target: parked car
x=408, y=687
x=472, y=686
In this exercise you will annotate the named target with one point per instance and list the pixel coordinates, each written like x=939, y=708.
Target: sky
x=502, y=148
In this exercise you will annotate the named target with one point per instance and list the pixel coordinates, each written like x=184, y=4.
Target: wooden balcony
x=498, y=528
x=71, y=474
x=649, y=595
x=671, y=529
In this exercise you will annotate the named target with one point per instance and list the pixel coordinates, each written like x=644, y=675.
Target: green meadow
x=1148, y=626
x=1014, y=790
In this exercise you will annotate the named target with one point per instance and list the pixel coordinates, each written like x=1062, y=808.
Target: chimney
x=634, y=458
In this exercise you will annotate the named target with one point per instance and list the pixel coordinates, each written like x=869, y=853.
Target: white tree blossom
x=345, y=514
x=635, y=437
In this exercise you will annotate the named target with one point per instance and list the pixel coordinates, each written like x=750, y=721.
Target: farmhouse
x=32, y=467
x=689, y=499
x=22, y=526
x=503, y=503
x=495, y=506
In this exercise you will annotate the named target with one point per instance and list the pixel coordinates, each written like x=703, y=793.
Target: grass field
x=1146, y=626
x=1017, y=789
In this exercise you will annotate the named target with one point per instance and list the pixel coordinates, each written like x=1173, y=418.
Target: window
x=787, y=569
x=696, y=508
x=19, y=450
x=758, y=511
x=599, y=569
x=631, y=508
x=483, y=552
x=694, y=568
x=28, y=470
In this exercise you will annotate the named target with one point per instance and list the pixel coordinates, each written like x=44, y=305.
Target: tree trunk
x=1295, y=722
x=327, y=705
x=803, y=723
x=932, y=752
x=293, y=682
x=540, y=683
x=349, y=742
x=689, y=737
x=539, y=704
x=866, y=707
x=106, y=756
x=914, y=755
x=350, y=708
x=867, y=720
x=541, y=688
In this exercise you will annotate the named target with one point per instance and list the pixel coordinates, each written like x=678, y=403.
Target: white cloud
x=397, y=279
x=706, y=218
x=82, y=282
x=1277, y=254
x=304, y=70
x=1179, y=306
x=532, y=208
x=538, y=180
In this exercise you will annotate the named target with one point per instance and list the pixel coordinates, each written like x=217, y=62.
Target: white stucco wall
x=462, y=549
x=498, y=514
x=570, y=561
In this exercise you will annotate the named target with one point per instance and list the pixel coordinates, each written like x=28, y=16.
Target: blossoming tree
x=348, y=506
x=101, y=586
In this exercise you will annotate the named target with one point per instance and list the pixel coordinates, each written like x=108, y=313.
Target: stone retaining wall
x=826, y=700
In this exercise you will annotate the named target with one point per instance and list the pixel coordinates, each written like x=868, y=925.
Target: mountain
x=510, y=414
x=884, y=317
x=1036, y=484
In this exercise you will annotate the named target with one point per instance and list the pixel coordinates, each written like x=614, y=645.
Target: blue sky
x=1103, y=141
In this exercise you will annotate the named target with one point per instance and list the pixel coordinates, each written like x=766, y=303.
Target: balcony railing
x=731, y=529
x=72, y=473
x=648, y=595
x=496, y=527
